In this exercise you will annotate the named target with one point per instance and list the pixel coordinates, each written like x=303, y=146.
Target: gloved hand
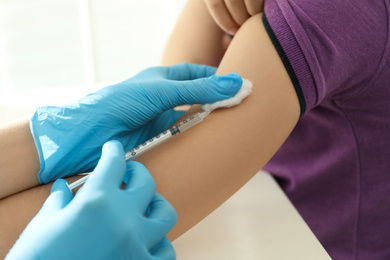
x=68, y=139
x=102, y=221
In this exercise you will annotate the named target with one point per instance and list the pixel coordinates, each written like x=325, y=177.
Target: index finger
x=187, y=71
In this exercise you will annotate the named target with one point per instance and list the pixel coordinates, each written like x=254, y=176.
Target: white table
x=258, y=222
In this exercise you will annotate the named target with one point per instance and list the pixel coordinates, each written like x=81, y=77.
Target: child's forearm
x=19, y=161
x=17, y=210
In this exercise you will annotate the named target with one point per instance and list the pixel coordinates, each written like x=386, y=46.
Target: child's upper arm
x=199, y=169
x=196, y=38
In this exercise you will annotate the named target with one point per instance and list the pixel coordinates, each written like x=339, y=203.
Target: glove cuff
x=65, y=141
x=35, y=135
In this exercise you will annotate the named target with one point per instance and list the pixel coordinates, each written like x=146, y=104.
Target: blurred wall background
x=53, y=52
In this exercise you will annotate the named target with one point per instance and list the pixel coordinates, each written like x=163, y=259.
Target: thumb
x=163, y=250
x=208, y=90
x=60, y=196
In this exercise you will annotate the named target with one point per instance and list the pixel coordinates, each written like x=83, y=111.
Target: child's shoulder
x=334, y=47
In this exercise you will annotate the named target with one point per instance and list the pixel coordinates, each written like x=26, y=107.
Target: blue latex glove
x=102, y=221
x=68, y=139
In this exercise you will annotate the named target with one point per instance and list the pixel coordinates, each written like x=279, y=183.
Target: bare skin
x=19, y=158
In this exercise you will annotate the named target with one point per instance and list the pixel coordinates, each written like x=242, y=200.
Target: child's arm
x=196, y=38
x=19, y=161
x=201, y=168
x=204, y=30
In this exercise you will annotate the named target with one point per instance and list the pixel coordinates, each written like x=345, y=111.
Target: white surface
x=258, y=222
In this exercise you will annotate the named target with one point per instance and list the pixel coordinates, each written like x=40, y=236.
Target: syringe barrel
x=191, y=121
x=151, y=143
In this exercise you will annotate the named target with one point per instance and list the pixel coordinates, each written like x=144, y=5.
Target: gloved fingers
x=160, y=209
x=140, y=184
x=60, y=196
x=187, y=71
x=206, y=90
x=163, y=250
x=183, y=71
x=199, y=91
x=111, y=167
x=161, y=218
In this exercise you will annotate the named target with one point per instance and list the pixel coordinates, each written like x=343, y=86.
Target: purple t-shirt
x=335, y=165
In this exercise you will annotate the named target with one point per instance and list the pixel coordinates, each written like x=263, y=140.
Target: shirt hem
x=287, y=64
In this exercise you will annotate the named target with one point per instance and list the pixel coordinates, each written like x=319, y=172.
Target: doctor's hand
x=103, y=221
x=68, y=139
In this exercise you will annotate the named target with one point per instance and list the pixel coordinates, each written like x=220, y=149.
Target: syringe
x=153, y=142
